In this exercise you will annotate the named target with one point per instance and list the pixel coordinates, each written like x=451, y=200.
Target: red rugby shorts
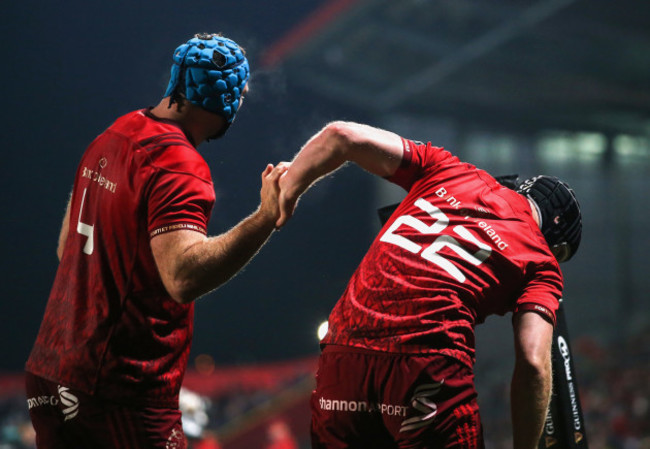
x=368, y=399
x=65, y=418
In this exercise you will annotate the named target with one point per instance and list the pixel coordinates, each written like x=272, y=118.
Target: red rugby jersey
x=459, y=247
x=110, y=328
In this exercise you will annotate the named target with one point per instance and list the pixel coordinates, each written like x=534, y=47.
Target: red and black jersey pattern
x=460, y=247
x=110, y=327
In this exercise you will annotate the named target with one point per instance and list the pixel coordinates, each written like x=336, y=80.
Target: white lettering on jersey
x=431, y=253
x=96, y=176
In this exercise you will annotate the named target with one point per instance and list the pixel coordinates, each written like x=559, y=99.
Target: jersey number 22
x=430, y=253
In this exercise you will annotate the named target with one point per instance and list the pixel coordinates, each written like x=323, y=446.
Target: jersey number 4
x=86, y=229
x=431, y=252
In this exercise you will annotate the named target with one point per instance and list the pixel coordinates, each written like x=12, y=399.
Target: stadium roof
x=571, y=64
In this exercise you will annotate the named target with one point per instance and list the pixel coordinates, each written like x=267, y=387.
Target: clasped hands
x=279, y=193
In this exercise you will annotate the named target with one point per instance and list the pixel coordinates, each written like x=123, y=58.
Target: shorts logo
x=39, y=401
x=422, y=401
x=361, y=407
x=70, y=402
x=176, y=440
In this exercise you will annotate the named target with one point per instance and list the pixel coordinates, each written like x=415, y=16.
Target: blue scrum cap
x=210, y=71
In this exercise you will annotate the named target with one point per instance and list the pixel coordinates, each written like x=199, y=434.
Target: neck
x=535, y=210
x=197, y=122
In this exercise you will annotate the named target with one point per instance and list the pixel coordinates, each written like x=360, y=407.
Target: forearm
x=375, y=150
x=191, y=264
x=324, y=153
x=529, y=397
x=211, y=262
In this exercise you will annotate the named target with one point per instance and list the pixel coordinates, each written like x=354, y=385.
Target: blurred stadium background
x=550, y=86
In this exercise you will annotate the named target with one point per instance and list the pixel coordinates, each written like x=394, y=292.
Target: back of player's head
x=209, y=71
x=559, y=211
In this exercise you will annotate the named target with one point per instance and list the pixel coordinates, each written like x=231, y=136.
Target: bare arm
x=375, y=150
x=63, y=234
x=531, y=381
x=191, y=264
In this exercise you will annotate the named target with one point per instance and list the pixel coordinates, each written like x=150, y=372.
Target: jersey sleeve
x=181, y=195
x=542, y=293
x=418, y=158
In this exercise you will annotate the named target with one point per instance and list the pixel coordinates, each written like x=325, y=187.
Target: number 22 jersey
x=459, y=247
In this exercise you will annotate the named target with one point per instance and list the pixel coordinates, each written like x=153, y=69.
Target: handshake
x=279, y=194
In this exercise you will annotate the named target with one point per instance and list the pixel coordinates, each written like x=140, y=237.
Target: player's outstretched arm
x=376, y=150
x=531, y=381
x=191, y=264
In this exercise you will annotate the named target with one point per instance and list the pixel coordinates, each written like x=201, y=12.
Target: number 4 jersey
x=458, y=248
x=110, y=327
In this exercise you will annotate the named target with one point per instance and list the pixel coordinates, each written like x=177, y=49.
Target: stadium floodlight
x=322, y=330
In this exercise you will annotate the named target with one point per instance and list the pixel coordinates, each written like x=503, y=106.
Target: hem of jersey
x=136, y=401
x=333, y=348
x=49, y=378
x=107, y=396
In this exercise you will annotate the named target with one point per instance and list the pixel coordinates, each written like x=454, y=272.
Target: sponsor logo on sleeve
x=176, y=227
